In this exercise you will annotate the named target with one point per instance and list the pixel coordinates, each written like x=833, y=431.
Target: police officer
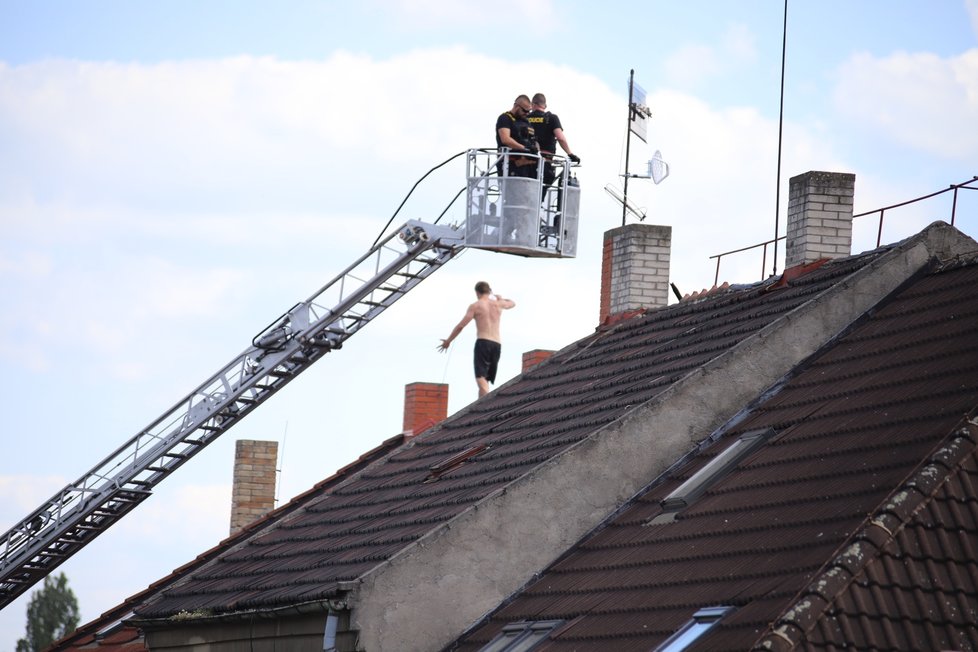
x=548, y=132
x=513, y=131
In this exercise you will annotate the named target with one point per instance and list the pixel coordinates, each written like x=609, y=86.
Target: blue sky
x=175, y=175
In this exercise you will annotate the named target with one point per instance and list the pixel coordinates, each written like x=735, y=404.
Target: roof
x=546, y=457
x=854, y=525
x=343, y=533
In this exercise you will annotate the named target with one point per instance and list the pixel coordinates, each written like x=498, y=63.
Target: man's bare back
x=486, y=311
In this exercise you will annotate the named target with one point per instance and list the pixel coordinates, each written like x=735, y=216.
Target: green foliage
x=51, y=613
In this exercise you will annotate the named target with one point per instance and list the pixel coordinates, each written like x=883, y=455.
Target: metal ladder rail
x=87, y=507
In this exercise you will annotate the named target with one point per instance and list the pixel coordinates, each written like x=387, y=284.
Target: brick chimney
x=819, y=217
x=425, y=404
x=635, y=268
x=534, y=357
x=253, y=489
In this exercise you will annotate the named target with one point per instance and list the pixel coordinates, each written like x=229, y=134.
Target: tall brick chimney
x=635, y=268
x=253, y=489
x=819, y=217
x=425, y=404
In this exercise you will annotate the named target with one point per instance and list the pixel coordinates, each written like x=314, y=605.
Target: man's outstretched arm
x=469, y=315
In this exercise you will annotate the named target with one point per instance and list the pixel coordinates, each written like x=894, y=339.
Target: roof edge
x=202, y=618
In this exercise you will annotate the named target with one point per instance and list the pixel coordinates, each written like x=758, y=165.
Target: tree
x=51, y=613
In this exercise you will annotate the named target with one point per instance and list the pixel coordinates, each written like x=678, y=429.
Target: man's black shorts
x=486, y=359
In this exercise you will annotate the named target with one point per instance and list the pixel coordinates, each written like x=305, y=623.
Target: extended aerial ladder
x=503, y=214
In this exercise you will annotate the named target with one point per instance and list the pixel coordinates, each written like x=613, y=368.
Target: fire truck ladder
x=291, y=344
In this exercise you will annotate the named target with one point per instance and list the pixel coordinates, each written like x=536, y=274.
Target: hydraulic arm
x=291, y=344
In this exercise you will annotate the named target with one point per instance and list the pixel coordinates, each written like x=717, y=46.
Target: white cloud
x=691, y=64
x=189, y=511
x=696, y=63
x=919, y=99
x=21, y=494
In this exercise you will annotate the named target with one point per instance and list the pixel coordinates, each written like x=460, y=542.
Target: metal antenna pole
x=777, y=185
x=628, y=141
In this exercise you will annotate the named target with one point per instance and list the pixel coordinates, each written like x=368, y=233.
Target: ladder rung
x=407, y=274
x=125, y=500
x=141, y=483
x=193, y=442
x=371, y=303
x=208, y=428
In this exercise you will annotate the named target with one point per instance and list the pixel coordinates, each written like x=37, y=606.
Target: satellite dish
x=658, y=169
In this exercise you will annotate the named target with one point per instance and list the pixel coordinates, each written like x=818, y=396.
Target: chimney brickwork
x=819, y=217
x=253, y=490
x=534, y=357
x=425, y=404
x=635, y=268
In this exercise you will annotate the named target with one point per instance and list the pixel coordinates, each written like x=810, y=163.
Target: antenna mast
x=638, y=115
x=628, y=139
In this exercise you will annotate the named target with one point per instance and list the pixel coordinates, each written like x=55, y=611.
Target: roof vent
x=453, y=462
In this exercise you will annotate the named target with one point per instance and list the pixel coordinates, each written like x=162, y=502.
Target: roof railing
x=966, y=185
x=954, y=204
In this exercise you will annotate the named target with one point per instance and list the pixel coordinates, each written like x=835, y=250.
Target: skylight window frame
x=693, y=629
x=521, y=636
x=697, y=484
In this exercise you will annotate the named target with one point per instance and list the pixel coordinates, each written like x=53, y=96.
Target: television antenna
x=657, y=170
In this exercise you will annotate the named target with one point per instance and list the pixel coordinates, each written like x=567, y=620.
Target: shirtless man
x=486, y=311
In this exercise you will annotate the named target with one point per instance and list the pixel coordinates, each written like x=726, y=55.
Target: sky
x=174, y=176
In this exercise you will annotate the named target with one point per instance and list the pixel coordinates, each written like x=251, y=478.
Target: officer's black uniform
x=543, y=124
x=519, y=129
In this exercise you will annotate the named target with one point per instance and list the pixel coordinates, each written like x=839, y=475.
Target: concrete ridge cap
x=939, y=237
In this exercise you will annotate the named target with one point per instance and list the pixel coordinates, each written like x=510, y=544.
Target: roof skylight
x=701, y=622
x=521, y=636
x=718, y=467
